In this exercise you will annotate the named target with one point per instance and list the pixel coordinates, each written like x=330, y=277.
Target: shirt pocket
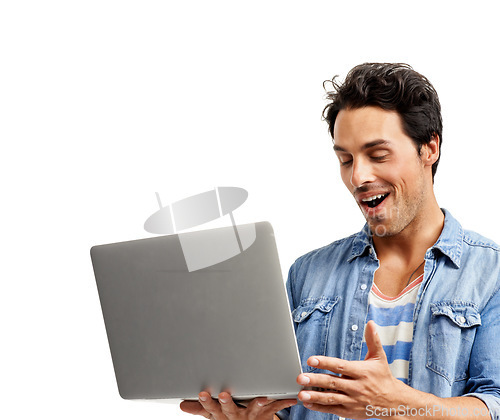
x=312, y=321
x=451, y=336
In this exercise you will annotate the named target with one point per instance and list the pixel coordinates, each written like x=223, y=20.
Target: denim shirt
x=456, y=320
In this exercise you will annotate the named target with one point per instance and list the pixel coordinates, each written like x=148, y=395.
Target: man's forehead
x=372, y=122
x=369, y=144
x=368, y=127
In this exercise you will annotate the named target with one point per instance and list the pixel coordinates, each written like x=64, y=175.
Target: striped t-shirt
x=394, y=319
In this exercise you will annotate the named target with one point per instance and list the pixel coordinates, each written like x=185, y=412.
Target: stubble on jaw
x=399, y=217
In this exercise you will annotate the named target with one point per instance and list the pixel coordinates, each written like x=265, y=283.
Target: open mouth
x=375, y=200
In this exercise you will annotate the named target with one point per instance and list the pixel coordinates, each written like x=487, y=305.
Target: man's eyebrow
x=375, y=143
x=369, y=145
x=338, y=148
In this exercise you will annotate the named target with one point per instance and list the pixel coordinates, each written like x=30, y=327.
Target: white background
x=105, y=102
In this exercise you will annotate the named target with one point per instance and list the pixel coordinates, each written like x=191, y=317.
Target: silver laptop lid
x=173, y=331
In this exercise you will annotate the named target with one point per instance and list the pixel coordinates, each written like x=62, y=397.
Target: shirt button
x=354, y=327
x=303, y=314
x=461, y=320
x=363, y=287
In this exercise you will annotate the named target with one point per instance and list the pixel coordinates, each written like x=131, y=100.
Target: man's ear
x=429, y=152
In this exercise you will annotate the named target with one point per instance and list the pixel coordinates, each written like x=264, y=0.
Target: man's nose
x=361, y=173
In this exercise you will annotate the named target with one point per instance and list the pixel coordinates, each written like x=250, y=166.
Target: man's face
x=380, y=166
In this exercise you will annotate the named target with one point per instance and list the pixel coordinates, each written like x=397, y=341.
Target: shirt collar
x=449, y=242
x=362, y=242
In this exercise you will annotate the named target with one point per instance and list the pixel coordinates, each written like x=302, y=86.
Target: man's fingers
x=211, y=406
x=228, y=406
x=257, y=403
x=352, y=369
x=324, y=398
x=375, y=349
x=225, y=407
x=194, y=407
x=258, y=406
x=266, y=407
x=325, y=381
x=279, y=405
x=339, y=410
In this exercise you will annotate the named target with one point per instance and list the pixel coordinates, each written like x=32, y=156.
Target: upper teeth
x=373, y=197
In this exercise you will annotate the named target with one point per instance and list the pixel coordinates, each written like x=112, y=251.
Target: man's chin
x=379, y=229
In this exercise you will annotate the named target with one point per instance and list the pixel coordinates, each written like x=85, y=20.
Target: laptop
x=178, y=324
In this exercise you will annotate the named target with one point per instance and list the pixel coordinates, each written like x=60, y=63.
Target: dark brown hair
x=393, y=87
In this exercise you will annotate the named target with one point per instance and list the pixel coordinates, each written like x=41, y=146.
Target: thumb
x=193, y=407
x=375, y=349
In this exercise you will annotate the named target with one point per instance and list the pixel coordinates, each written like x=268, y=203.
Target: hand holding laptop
x=226, y=409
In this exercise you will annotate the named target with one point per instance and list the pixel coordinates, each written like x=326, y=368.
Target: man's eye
x=346, y=162
x=379, y=158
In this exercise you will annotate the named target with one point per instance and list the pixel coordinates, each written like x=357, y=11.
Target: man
x=401, y=319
